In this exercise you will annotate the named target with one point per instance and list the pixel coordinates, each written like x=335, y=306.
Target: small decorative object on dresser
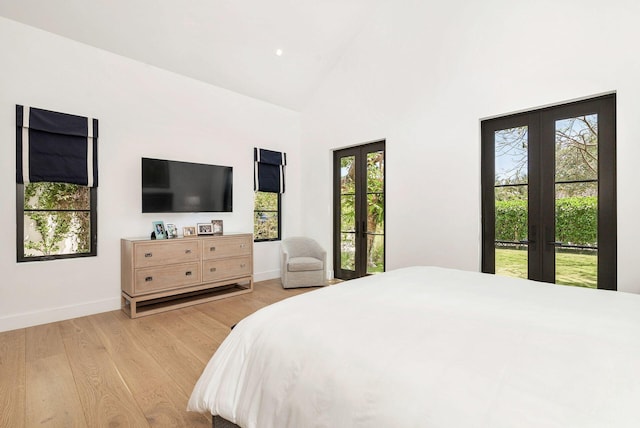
x=158, y=228
x=189, y=231
x=217, y=227
x=205, y=229
x=172, y=232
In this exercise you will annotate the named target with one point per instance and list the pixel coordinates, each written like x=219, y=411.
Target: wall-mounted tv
x=184, y=187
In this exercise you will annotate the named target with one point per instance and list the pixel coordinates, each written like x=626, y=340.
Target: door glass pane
x=347, y=251
x=347, y=175
x=375, y=254
x=511, y=202
x=576, y=199
x=375, y=172
x=512, y=155
x=375, y=233
x=375, y=212
x=347, y=212
x=577, y=148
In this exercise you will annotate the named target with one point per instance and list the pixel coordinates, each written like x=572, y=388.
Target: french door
x=549, y=194
x=359, y=211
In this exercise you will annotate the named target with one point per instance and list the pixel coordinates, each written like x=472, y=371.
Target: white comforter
x=431, y=347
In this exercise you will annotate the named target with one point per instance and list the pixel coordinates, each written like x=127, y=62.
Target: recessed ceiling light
x=279, y=52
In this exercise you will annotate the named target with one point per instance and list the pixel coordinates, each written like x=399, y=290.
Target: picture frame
x=217, y=227
x=189, y=231
x=172, y=231
x=205, y=229
x=159, y=230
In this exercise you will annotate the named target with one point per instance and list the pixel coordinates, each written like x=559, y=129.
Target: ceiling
x=227, y=43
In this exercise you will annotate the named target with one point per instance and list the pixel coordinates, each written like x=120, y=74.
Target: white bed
x=431, y=347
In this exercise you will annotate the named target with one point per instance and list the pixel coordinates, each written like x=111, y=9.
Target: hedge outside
x=576, y=220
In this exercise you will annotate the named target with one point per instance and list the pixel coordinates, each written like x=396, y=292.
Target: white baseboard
x=29, y=319
x=263, y=276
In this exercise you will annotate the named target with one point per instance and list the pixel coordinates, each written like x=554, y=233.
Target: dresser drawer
x=214, y=270
x=226, y=246
x=161, y=253
x=148, y=280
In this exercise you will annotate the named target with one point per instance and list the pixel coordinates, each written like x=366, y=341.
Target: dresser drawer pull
x=243, y=265
x=187, y=251
x=148, y=254
x=212, y=248
x=148, y=279
x=212, y=269
x=243, y=245
x=188, y=273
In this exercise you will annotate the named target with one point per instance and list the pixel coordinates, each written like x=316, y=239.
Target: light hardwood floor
x=107, y=370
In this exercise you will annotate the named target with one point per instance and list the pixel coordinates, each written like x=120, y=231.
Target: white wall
x=143, y=111
x=423, y=74
x=420, y=75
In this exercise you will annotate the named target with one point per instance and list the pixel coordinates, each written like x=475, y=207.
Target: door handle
x=549, y=238
x=533, y=233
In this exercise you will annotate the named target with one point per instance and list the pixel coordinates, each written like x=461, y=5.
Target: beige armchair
x=304, y=263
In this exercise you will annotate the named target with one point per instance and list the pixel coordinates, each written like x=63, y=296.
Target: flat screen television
x=184, y=187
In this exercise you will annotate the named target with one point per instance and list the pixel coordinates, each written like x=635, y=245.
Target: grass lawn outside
x=571, y=269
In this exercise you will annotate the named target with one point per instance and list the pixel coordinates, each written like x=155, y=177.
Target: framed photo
x=205, y=229
x=172, y=232
x=159, y=230
x=189, y=231
x=217, y=227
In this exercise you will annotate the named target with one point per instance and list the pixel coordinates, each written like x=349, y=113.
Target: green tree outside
x=50, y=210
x=265, y=221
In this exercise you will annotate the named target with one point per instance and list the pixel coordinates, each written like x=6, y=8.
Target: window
x=56, y=185
x=56, y=220
x=266, y=216
x=268, y=184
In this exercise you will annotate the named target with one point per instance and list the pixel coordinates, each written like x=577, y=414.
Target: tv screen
x=185, y=187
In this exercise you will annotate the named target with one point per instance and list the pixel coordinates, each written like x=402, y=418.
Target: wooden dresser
x=164, y=274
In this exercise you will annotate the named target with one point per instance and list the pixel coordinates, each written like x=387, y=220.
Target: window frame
x=93, y=218
x=278, y=211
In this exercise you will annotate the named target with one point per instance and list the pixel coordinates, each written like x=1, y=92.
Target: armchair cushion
x=302, y=264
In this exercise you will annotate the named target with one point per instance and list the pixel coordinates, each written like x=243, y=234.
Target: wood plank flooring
x=109, y=370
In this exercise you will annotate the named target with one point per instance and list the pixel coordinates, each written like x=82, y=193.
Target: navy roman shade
x=55, y=147
x=269, y=171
